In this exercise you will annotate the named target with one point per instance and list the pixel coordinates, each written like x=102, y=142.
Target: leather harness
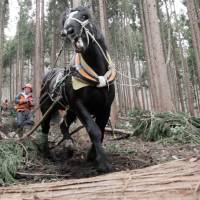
x=84, y=74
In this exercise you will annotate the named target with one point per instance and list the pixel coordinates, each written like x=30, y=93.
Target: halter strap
x=83, y=27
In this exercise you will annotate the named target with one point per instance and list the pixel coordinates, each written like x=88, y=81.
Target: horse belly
x=97, y=99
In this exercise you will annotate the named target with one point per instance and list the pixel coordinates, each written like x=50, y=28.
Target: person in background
x=24, y=106
x=4, y=106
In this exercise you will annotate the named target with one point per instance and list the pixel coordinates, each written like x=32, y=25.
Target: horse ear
x=67, y=10
x=88, y=7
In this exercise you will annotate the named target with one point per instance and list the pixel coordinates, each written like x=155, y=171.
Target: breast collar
x=84, y=73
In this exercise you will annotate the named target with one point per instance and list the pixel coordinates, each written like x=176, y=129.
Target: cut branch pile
x=12, y=156
x=167, y=127
x=174, y=180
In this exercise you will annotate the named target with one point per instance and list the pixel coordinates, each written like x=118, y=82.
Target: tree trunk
x=103, y=23
x=42, y=39
x=178, y=80
x=76, y=3
x=53, y=37
x=173, y=180
x=2, y=18
x=156, y=62
x=37, y=66
x=103, y=19
x=194, y=21
x=18, y=61
x=153, y=97
x=187, y=83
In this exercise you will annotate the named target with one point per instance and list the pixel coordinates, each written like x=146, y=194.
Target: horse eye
x=85, y=17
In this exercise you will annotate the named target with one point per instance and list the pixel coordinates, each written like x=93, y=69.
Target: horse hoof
x=104, y=168
x=47, y=155
x=44, y=150
x=68, y=149
x=91, y=157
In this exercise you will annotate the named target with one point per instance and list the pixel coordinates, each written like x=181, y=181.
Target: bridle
x=88, y=35
x=102, y=79
x=83, y=27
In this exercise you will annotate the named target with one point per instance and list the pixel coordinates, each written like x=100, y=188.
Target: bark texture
x=173, y=180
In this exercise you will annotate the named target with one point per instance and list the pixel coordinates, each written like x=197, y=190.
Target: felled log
x=173, y=180
x=118, y=131
x=123, y=133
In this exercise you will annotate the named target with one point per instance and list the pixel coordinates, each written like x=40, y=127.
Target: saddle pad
x=78, y=84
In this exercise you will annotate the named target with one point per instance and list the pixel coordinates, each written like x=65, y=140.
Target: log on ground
x=174, y=180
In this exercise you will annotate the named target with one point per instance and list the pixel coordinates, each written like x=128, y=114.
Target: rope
x=35, y=109
x=60, y=51
x=118, y=71
x=122, y=84
x=76, y=130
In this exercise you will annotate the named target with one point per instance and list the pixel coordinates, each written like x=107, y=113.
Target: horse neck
x=95, y=58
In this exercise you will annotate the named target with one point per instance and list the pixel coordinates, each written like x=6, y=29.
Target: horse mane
x=99, y=35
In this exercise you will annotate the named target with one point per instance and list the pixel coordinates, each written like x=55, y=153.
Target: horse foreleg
x=65, y=123
x=95, y=136
x=101, y=121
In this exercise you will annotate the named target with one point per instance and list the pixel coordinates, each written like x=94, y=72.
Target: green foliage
x=13, y=156
x=166, y=127
x=10, y=51
x=25, y=29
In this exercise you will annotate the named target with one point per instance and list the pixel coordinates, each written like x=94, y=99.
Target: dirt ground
x=124, y=154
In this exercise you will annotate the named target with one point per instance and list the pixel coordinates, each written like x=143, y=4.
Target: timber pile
x=174, y=180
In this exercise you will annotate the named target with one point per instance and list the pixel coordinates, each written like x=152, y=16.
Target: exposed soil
x=124, y=154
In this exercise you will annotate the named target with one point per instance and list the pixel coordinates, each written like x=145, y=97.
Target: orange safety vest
x=21, y=104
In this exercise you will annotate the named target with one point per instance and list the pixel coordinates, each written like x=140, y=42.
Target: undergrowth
x=166, y=127
x=14, y=155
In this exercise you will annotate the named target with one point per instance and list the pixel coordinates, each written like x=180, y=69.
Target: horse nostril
x=63, y=33
x=70, y=31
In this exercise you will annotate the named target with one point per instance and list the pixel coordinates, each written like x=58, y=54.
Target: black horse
x=91, y=103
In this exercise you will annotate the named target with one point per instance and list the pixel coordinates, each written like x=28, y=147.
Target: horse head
x=77, y=26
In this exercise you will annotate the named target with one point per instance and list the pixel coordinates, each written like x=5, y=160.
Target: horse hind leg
x=45, y=125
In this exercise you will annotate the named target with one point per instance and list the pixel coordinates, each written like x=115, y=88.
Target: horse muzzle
x=63, y=33
x=77, y=41
x=78, y=45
